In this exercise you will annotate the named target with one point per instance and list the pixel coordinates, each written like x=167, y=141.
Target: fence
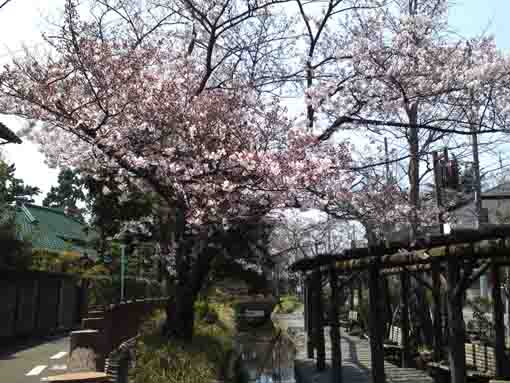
x=105, y=330
x=37, y=303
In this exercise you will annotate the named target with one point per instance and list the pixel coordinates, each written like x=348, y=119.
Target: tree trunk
x=414, y=167
x=181, y=314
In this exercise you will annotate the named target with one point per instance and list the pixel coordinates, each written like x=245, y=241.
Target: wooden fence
x=38, y=303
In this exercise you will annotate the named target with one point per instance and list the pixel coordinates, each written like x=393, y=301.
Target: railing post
x=318, y=320
x=499, y=325
x=404, y=297
x=438, y=326
x=376, y=330
x=310, y=346
x=336, y=350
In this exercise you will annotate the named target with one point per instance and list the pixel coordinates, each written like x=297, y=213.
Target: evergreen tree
x=68, y=192
x=15, y=252
x=12, y=188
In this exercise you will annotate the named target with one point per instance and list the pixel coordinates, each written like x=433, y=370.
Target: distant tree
x=15, y=253
x=68, y=192
x=12, y=188
x=110, y=211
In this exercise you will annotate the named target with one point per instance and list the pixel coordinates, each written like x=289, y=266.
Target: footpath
x=356, y=360
x=31, y=361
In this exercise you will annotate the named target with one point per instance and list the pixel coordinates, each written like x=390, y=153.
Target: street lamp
x=122, y=239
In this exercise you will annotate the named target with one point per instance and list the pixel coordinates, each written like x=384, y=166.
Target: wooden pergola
x=463, y=254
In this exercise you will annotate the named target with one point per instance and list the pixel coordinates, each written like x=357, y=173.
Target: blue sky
x=21, y=22
x=471, y=17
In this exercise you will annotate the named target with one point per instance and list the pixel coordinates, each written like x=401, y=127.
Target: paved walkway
x=356, y=360
x=31, y=361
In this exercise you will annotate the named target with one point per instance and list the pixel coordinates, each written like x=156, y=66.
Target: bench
x=480, y=360
x=352, y=320
x=395, y=339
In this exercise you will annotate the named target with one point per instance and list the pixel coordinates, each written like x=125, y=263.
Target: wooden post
x=436, y=295
x=404, y=302
x=456, y=333
x=310, y=318
x=360, y=291
x=318, y=321
x=336, y=351
x=376, y=330
x=499, y=325
x=305, y=299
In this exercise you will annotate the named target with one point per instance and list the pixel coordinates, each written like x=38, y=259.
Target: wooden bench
x=480, y=361
x=80, y=377
x=481, y=358
x=395, y=339
x=352, y=320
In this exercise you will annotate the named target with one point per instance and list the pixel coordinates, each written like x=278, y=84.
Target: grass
x=288, y=304
x=203, y=360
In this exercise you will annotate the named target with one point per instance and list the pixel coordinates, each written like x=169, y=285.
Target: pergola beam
x=456, y=237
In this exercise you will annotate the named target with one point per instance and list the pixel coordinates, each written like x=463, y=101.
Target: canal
x=266, y=355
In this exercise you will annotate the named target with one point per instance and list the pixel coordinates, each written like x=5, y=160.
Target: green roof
x=51, y=229
x=8, y=135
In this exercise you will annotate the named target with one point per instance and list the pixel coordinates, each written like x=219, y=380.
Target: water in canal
x=266, y=355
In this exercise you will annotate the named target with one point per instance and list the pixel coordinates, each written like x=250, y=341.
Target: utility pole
x=476, y=170
x=387, y=159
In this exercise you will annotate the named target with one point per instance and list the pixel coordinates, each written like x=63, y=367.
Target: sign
x=254, y=313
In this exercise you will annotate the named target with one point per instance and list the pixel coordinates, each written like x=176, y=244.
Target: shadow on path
x=9, y=349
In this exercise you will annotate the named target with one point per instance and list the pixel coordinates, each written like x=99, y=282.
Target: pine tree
x=68, y=192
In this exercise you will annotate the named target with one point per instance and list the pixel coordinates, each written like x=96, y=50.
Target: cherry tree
x=151, y=113
x=404, y=74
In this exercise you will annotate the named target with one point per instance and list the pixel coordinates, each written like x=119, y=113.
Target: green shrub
x=203, y=360
x=288, y=304
x=201, y=309
x=105, y=290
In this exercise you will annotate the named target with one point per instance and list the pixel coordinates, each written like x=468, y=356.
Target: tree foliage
x=173, y=106
x=67, y=193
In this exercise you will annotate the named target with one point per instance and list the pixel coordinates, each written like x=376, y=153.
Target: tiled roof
x=8, y=135
x=51, y=229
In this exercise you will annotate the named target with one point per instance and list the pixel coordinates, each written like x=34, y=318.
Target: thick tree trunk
x=414, y=167
x=181, y=314
x=192, y=265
